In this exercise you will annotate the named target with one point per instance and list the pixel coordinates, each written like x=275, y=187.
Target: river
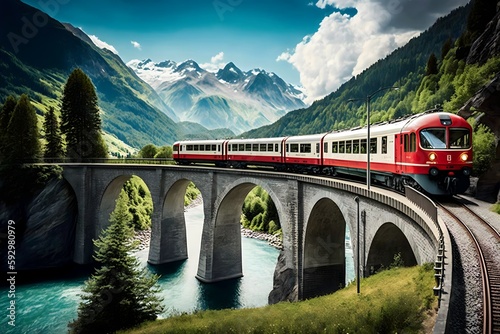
x=47, y=305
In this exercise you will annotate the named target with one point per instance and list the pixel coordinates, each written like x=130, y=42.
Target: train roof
x=415, y=121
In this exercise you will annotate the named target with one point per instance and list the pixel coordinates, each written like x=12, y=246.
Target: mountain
x=229, y=98
x=37, y=54
x=404, y=68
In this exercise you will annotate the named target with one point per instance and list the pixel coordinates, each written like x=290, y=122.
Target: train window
x=294, y=148
x=270, y=147
x=325, y=147
x=196, y=147
x=413, y=142
x=459, y=138
x=335, y=147
x=263, y=147
x=248, y=147
x=363, y=146
x=355, y=146
x=202, y=147
x=275, y=147
x=373, y=145
x=348, y=146
x=305, y=148
x=189, y=147
x=234, y=147
x=407, y=143
x=286, y=147
x=342, y=147
x=241, y=147
x=317, y=148
x=384, y=145
x=433, y=138
x=218, y=148
x=255, y=147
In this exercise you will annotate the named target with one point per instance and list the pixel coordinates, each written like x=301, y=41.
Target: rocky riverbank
x=144, y=237
x=272, y=239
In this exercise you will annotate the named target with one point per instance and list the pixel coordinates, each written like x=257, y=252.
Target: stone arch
x=324, y=250
x=169, y=236
x=222, y=235
x=110, y=195
x=388, y=241
x=108, y=201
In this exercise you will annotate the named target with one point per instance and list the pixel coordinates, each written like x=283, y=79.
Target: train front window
x=433, y=138
x=459, y=138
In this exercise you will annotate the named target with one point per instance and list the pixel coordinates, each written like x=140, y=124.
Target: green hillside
x=37, y=53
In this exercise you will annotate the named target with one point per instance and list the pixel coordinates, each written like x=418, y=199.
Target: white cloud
x=344, y=46
x=216, y=62
x=136, y=45
x=101, y=44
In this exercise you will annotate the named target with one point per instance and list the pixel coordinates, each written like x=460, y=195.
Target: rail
x=135, y=161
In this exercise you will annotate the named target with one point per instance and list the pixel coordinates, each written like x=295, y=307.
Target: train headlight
x=464, y=157
x=434, y=171
x=432, y=156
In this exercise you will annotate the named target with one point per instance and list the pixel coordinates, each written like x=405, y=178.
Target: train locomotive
x=431, y=151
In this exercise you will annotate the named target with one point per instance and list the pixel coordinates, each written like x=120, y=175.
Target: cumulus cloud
x=344, y=46
x=101, y=44
x=216, y=63
x=136, y=45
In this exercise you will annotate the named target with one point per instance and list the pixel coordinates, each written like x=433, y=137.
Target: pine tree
x=53, y=148
x=21, y=142
x=5, y=116
x=81, y=122
x=118, y=295
x=432, y=67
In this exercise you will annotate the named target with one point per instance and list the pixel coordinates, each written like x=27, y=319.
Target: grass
x=496, y=208
x=393, y=301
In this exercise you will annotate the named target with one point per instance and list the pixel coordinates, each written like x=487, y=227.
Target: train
x=431, y=152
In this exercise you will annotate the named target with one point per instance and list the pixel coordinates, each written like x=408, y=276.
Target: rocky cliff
x=487, y=101
x=285, y=285
x=44, y=227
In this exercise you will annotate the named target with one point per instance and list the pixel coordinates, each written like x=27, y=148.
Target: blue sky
x=317, y=44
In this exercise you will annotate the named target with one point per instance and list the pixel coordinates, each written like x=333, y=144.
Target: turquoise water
x=47, y=306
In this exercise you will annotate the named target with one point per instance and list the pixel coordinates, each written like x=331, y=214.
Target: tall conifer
x=81, y=122
x=5, y=116
x=53, y=147
x=22, y=144
x=118, y=295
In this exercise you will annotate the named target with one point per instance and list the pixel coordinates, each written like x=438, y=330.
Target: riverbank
x=144, y=236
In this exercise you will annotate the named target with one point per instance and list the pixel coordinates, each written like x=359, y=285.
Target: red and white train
x=431, y=151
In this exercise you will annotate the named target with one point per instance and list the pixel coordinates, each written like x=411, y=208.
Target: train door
x=398, y=153
x=224, y=152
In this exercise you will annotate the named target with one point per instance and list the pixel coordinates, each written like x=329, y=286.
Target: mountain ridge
x=37, y=54
x=249, y=98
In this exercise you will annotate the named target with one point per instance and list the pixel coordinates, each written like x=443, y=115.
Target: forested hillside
x=404, y=68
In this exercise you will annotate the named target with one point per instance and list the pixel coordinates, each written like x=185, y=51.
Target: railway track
x=486, y=239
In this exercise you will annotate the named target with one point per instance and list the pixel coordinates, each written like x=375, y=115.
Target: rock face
x=488, y=44
x=44, y=228
x=285, y=286
x=487, y=101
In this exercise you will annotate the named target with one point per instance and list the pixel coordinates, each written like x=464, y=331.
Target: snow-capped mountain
x=229, y=98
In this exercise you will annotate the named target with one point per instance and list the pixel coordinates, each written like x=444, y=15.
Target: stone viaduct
x=314, y=213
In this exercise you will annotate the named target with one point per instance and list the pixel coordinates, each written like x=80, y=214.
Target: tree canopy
x=53, y=147
x=81, y=122
x=21, y=141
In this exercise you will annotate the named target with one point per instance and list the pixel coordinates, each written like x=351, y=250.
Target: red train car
x=430, y=151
